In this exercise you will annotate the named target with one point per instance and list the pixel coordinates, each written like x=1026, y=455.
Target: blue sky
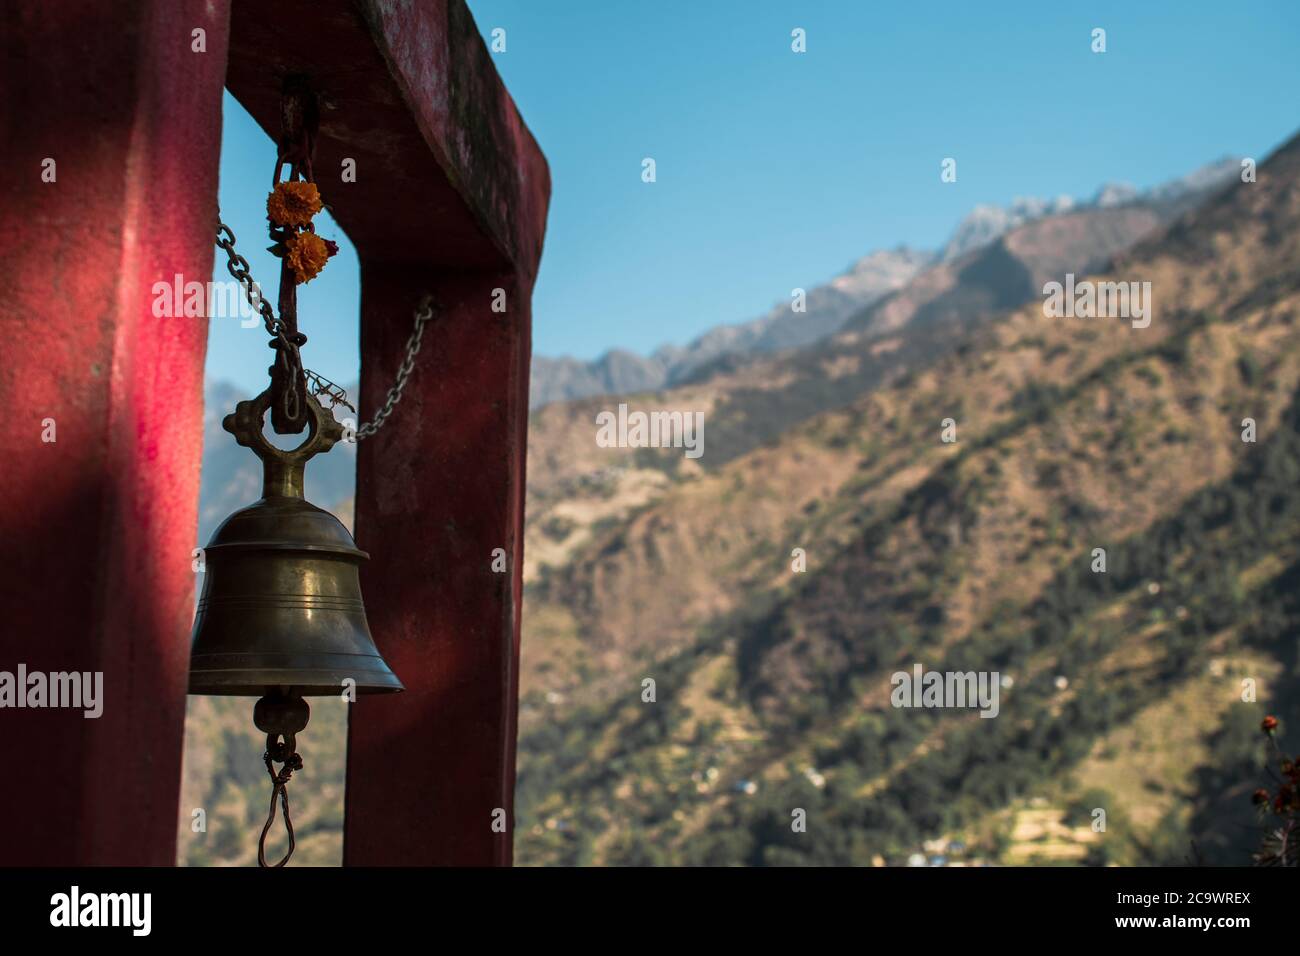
x=778, y=169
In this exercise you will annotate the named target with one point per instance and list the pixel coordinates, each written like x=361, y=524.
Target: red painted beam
x=97, y=527
x=451, y=197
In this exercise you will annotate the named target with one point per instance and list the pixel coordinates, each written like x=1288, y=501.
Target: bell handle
x=282, y=470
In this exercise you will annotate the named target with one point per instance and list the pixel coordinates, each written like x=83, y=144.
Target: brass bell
x=281, y=612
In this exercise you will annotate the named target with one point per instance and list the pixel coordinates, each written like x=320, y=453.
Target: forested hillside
x=1122, y=689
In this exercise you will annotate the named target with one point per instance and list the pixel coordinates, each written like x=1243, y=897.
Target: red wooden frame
x=451, y=197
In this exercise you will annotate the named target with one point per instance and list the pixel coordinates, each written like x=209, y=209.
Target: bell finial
x=282, y=470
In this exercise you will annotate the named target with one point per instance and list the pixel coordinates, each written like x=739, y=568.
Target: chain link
x=239, y=268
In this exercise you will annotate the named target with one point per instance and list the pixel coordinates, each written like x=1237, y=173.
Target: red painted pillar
x=97, y=526
x=438, y=491
x=450, y=197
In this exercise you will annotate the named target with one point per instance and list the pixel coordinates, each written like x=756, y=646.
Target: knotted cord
x=281, y=752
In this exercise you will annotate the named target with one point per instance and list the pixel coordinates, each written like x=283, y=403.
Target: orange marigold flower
x=1269, y=724
x=306, y=254
x=293, y=203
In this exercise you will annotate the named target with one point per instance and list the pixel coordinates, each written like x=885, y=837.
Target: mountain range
x=829, y=305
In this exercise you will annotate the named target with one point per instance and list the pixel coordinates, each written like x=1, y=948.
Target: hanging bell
x=281, y=612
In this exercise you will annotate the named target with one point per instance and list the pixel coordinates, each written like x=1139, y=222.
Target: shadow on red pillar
x=438, y=492
x=97, y=526
x=450, y=197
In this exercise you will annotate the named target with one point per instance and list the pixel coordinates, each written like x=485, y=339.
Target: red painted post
x=450, y=197
x=437, y=492
x=97, y=526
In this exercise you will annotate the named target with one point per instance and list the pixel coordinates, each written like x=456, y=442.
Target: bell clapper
x=280, y=715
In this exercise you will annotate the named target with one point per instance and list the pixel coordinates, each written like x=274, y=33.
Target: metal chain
x=423, y=313
x=239, y=268
x=287, y=354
